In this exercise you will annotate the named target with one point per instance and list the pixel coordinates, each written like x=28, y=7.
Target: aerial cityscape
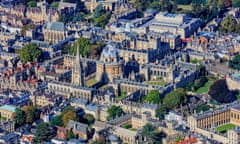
x=119, y=71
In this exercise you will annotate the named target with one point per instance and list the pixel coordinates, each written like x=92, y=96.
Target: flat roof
x=8, y=108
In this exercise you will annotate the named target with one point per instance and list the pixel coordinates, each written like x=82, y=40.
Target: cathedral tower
x=78, y=70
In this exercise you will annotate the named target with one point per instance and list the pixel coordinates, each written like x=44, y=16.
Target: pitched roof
x=80, y=127
x=57, y=26
x=8, y=108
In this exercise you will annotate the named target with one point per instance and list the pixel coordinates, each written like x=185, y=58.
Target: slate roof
x=56, y=26
x=80, y=127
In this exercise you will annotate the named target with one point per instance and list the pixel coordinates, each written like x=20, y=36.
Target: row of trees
x=235, y=62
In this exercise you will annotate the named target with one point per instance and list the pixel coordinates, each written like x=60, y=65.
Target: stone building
x=54, y=31
x=68, y=90
x=233, y=81
x=78, y=71
x=205, y=122
x=110, y=65
x=41, y=13
x=7, y=111
x=79, y=129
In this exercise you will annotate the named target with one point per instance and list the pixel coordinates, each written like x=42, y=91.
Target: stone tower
x=78, y=71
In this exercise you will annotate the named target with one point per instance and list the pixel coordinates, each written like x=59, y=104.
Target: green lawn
x=158, y=82
x=90, y=82
x=225, y=128
x=205, y=88
x=122, y=95
x=185, y=7
x=133, y=129
x=3, y=118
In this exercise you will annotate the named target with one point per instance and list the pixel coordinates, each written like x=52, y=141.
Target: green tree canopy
x=147, y=131
x=103, y=20
x=30, y=52
x=32, y=3
x=219, y=92
x=153, y=97
x=161, y=111
x=44, y=133
x=88, y=118
x=84, y=45
x=57, y=121
x=32, y=114
x=20, y=117
x=236, y=3
x=235, y=62
x=70, y=135
x=114, y=111
x=70, y=115
x=175, y=98
x=228, y=24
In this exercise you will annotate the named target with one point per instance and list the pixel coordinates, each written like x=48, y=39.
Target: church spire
x=78, y=71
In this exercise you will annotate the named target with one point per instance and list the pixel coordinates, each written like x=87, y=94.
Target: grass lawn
x=159, y=82
x=185, y=7
x=3, y=118
x=90, y=82
x=122, y=95
x=133, y=129
x=225, y=128
x=205, y=88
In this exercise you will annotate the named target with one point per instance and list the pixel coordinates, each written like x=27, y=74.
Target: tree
x=44, y=133
x=103, y=20
x=20, y=117
x=147, y=131
x=32, y=114
x=57, y=121
x=175, y=98
x=235, y=62
x=161, y=111
x=200, y=82
x=70, y=115
x=153, y=97
x=30, y=52
x=84, y=45
x=224, y=3
x=67, y=109
x=114, y=111
x=236, y=3
x=88, y=118
x=70, y=135
x=228, y=24
x=32, y=3
x=219, y=92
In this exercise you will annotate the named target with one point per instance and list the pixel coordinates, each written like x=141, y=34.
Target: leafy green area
x=238, y=97
x=153, y=96
x=235, y=62
x=132, y=129
x=30, y=52
x=203, y=108
x=32, y=3
x=54, y=4
x=225, y=128
x=122, y=95
x=3, y=118
x=114, y=111
x=205, y=88
x=20, y=117
x=194, y=61
x=127, y=126
x=43, y=133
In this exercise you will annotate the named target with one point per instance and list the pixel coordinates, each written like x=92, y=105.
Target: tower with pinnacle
x=78, y=71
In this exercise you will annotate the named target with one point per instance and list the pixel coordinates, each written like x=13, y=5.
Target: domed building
x=110, y=65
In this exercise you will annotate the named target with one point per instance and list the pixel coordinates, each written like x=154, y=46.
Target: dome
x=109, y=53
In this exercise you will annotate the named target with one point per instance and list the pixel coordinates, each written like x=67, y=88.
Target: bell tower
x=78, y=71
